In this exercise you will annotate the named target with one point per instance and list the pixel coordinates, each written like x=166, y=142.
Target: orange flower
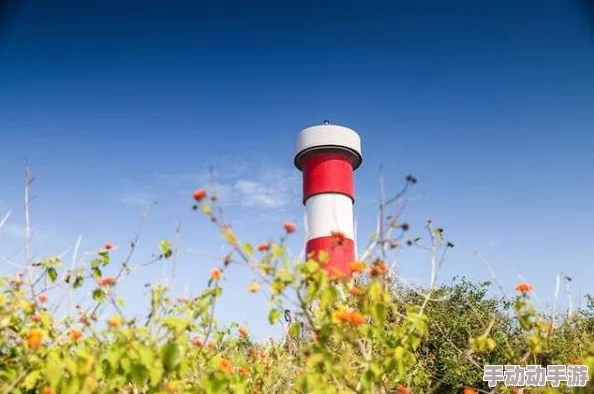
x=264, y=247
x=356, y=318
x=524, y=287
x=46, y=390
x=108, y=246
x=215, y=273
x=289, y=227
x=243, y=332
x=225, y=365
x=243, y=371
x=75, y=334
x=357, y=266
x=339, y=237
x=107, y=281
x=36, y=318
x=575, y=361
x=199, y=194
x=342, y=316
x=34, y=338
x=378, y=268
x=356, y=291
x=196, y=342
x=114, y=322
x=468, y=390
x=402, y=389
x=42, y=297
x=256, y=390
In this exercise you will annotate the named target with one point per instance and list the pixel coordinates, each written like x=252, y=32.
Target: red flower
x=199, y=195
x=402, y=389
x=108, y=246
x=289, y=227
x=215, y=273
x=243, y=371
x=243, y=332
x=42, y=297
x=356, y=291
x=524, y=287
x=264, y=247
x=75, y=334
x=378, y=268
x=107, y=281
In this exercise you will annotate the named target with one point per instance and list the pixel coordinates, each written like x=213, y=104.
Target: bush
x=367, y=333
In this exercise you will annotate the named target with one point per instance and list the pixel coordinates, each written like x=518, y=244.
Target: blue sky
x=115, y=104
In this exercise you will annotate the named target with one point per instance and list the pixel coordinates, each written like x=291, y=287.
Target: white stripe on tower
x=328, y=212
x=328, y=155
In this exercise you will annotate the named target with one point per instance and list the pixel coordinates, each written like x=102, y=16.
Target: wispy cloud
x=137, y=198
x=260, y=186
x=274, y=188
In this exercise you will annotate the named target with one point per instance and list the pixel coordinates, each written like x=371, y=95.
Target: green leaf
x=274, y=315
x=171, y=356
x=368, y=379
x=52, y=274
x=248, y=249
x=99, y=295
x=156, y=374
x=295, y=329
x=31, y=379
x=419, y=322
x=95, y=263
x=315, y=359
x=165, y=248
x=328, y=296
x=96, y=273
x=104, y=258
x=139, y=373
x=379, y=312
x=78, y=282
x=175, y=324
x=277, y=251
x=375, y=291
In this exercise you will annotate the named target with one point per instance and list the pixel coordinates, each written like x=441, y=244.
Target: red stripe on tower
x=328, y=155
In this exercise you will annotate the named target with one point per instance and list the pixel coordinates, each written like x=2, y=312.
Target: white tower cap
x=330, y=138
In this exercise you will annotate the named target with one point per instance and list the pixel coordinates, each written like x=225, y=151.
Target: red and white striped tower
x=328, y=155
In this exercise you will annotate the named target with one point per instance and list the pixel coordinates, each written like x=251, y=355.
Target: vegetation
x=364, y=333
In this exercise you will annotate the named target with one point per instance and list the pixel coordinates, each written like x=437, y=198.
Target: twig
x=382, y=207
x=176, y=250
x=28, y=181
x=5, y=218
x=492, y=273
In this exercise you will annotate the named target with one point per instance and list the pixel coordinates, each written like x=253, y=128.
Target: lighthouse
x=328, y=156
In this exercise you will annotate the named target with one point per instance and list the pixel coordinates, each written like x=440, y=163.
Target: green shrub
x=368, y=333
